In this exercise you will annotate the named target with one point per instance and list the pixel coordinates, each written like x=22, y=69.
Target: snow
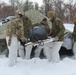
x=37, y=66
x=69, y=27
x=0, y=24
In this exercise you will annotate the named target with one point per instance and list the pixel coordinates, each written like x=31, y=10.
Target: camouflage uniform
x=57, y=29
x=27, y=25
x=15, y=32
x=57, y=33
x=74, y=32
x=15, y=28
x=74, y=36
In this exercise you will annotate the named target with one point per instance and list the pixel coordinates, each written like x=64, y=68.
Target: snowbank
x=36, y=66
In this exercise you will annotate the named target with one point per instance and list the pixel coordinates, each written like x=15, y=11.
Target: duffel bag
x=37, y=33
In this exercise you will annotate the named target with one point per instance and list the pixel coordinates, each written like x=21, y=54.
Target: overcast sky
x=40, y=2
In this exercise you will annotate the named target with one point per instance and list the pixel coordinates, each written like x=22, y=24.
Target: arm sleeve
x=61, y=28
x=22, y=31
x=29, y=23
x=9, y=30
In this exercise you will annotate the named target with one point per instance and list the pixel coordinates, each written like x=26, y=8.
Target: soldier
x=45, y=23
x=45, y=47
x=15, y=32
x=27, y=24
x=74, y=36
x=57, y=33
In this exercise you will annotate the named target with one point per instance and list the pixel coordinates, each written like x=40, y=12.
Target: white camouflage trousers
x=28, y=51
x=13, y=50
x=21, y=51
x=51, y=51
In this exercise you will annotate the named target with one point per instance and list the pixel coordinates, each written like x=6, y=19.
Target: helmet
x=51, y=14
x=74, y=18
x=19, y=12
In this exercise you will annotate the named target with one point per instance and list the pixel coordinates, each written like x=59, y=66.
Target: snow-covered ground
x=69, y=27
x=36, y=66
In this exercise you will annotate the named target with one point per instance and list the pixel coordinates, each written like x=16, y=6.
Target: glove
x=9, y=42
x=55, y=38
x=24, y=39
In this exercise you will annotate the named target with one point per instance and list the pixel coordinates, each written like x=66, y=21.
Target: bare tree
x=69, y=8
x=28, y=5
x=57, y=7
x=42, y=9
x=47, y=5
x=12, y=3
x=36, y=6
x=16, y=4
x=74, y=8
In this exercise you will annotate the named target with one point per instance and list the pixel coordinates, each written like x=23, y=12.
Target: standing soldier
x=74, y=36
x=15, y=32
x=27, y=24
x=57, y=33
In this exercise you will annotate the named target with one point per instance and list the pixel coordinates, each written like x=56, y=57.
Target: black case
x=37, y=33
